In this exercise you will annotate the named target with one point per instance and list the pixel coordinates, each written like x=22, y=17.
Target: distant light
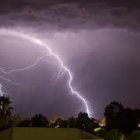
x=138, y=125
x=102, y=122
x=97, y=129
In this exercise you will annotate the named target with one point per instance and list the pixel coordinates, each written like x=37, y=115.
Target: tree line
x=7, y=119
x=117, y=117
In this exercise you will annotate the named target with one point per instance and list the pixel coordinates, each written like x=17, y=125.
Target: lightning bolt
x=1, y=92
x=39, y=42
x=9, y=80
x=17, y=70
x=25, y=68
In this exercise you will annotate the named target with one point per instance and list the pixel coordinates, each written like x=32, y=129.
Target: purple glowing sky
x=98, y=42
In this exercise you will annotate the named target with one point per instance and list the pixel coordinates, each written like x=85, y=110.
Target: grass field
x=19, y=133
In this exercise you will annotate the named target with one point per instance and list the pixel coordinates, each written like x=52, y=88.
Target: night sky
x=98, y=41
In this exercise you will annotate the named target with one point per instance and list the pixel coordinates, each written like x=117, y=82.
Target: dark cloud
x=71, y=15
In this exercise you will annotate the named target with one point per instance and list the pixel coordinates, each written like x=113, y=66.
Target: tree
x=127, y=121
x=137, y=114
x=85, y=123
x=59, y=123
x=25, y=123
x=72, y=122
x=110, y=114
x=5, y=112
x=120, y=118
x=39, y=120
x=5, y=108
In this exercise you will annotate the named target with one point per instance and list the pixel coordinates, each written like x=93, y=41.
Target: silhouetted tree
x=72, y=122
x=111, y=112
x=5, y=112
x=127, y=121
x=39, y=120
x=137, y=114
x=5, y=108
x=82, y=122
x=85, y=123
x=25, y=123
x=120, y=118
x=59, y=123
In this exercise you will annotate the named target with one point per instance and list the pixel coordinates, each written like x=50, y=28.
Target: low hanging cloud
x=73, y=16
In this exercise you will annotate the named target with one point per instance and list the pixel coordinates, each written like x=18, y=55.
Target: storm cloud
x=98, y=41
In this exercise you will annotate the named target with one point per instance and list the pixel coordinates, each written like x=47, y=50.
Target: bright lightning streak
x=1, y=92
x=4, y=31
